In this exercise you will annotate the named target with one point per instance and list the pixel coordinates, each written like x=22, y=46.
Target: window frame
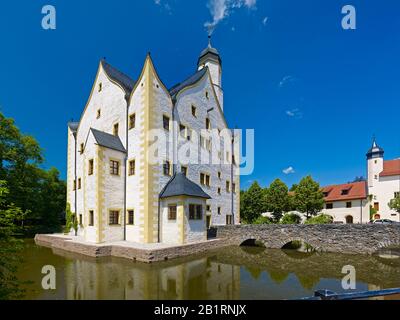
x=164, y=119
x=132, y=169
x=111, y=217
x=130, y=222
x=112, y=167
x=172, y=217
x=91, y=218
x=167, y=164
x=91, y=167
x=132, y=125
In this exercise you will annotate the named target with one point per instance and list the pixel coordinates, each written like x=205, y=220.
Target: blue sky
x=314, y=93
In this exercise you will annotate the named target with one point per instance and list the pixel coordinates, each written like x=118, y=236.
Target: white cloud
x=296, y=113
x=285, y=80
x=264, y=21
x=164, y=4
x=221, y=9
x=288, y=170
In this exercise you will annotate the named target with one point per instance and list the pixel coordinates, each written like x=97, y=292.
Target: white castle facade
x=148, y=164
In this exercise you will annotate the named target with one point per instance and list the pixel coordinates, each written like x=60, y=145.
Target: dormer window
x=326, y=193
x=345, y=192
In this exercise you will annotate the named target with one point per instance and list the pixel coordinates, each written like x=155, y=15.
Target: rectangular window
x=208, y=124
x=329, y=206
x=116, y=129
x=208, y=208
x=184, y=170
x=98, y=113
x=114, y=167
x=79, y=183
x=166, y=122
x=396, y=194
x=219, y=191
x=229, y=219
x=132, y=167
x=228, y=186
x=376, y=206
x=91, y=167
x=348, y=204
x=167, y=168
x=219, y=174
x=81, y=148
x=205, y=179
x=132, y=121
x=219, y=210
x=172, y=212
x=114, y=217
x=195, y=212
x=193, y=111
x=131, y=217
x=189, y=134
x=91, y=218
x=80, y=219
x=74, y=186
x=182, y=131
x=345, y=192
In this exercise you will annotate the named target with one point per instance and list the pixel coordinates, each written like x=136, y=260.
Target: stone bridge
x=344, y=238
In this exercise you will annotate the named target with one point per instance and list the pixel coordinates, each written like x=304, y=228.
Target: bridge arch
x=284, y=242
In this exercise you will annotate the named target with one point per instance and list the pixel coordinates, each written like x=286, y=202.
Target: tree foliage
x=291, y=218
x=320, y=219
x=9, y=246
x=277, y=199
x=39, y=192
x=308, y=197
x=394, y=204
x=252, y=203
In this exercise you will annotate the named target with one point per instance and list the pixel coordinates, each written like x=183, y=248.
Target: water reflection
x=229, y=273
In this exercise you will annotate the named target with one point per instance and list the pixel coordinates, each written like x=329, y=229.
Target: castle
x=147, y=164
x=352, y=202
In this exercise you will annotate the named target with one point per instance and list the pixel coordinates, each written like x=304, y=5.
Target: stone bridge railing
x=345, y=238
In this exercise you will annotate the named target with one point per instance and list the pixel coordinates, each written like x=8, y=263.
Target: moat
x=227, y=273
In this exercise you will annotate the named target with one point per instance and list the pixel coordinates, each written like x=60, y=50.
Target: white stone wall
x=169, y=229
x=382, y=192
x=195, y=230
x=113, y=196
x=359, y=211
x=196, y=96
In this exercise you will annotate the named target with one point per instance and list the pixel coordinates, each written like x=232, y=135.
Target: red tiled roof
x=390, y=168
x=356, y=190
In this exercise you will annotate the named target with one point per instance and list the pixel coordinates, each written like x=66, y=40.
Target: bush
x=291, y=218
x=263, y=220
x=321, y=219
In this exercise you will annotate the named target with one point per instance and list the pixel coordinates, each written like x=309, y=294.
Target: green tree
x=308, y=197
x=31, y=188
x=9, y=246
x=394, y=204
x=252, y=203
x=291, y=218
x=320, y=219
x=277, y=199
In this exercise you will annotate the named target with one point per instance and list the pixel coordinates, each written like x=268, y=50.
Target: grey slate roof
x=188, y=82
x=375, y=150
x=73, y=126
x=107, y=140
x=126, y=82
x=180, y=185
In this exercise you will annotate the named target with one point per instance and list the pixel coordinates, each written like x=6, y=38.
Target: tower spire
x=209, y=41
